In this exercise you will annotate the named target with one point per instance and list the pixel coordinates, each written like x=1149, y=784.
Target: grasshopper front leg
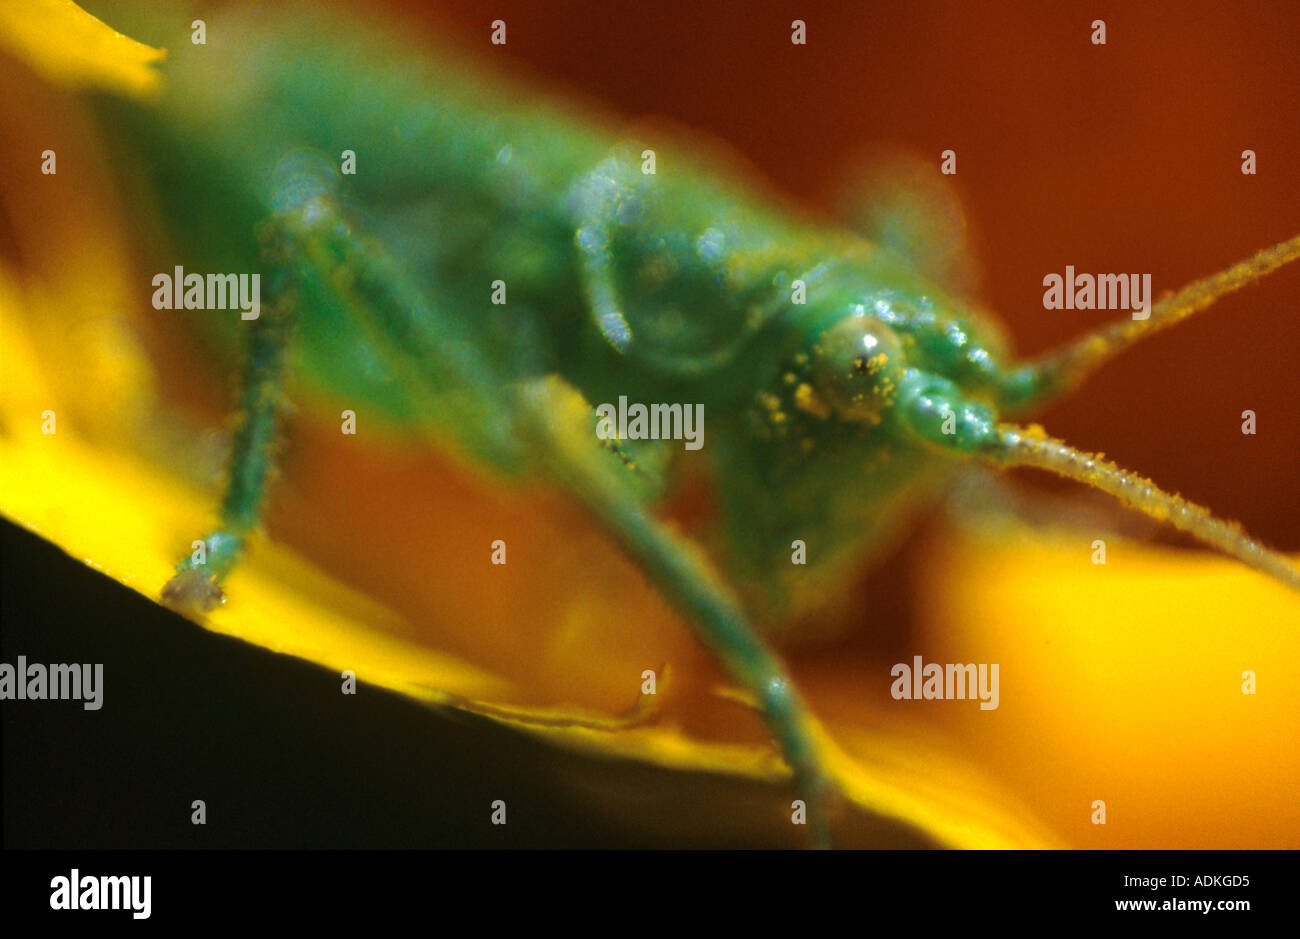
x=196, y=586
x=310, y=250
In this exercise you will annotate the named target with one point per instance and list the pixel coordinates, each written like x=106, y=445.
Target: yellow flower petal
x=70, y=47
x=1123, y=683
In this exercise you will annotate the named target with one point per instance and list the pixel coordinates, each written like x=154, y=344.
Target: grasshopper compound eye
x=857, y=366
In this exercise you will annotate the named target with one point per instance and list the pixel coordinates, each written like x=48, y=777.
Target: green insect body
x=470, y=188
x=839, y=388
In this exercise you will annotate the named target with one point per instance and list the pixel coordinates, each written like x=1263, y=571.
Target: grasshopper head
x=908, y=361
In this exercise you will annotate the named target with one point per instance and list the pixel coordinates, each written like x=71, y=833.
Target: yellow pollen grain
x=806, y=400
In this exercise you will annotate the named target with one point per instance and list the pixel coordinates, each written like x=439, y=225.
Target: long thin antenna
x=1031, y=447
x=1064, y=367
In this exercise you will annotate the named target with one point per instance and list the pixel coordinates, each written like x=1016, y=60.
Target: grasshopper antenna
x=1020, y=446
x=1065, y=367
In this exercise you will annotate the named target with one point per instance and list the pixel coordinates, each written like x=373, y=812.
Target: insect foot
x=192, y=592
x=194, y=589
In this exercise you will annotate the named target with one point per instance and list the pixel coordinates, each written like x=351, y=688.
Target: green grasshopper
x=840, y=389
